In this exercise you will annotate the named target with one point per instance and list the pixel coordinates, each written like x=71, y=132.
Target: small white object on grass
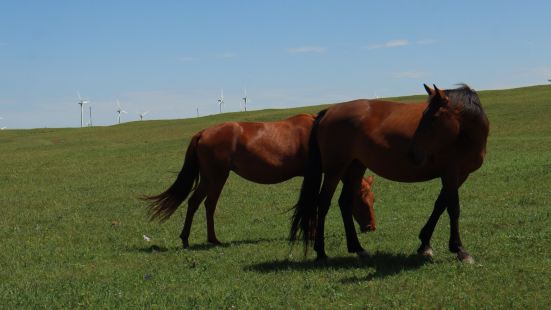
x=146, y=238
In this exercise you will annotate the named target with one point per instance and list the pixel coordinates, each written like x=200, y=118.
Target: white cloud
x=306, y=49
x=389, y=44
x=399, y=43
x=408, y=75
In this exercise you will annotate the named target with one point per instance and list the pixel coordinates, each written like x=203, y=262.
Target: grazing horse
x=444, y=138
x=261, y=152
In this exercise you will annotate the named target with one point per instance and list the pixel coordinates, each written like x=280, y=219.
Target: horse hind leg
x=328, y=188
x=210, y=204
x=193, y=204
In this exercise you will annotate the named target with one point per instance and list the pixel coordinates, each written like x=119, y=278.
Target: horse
x=261, y=152
x=444, y=137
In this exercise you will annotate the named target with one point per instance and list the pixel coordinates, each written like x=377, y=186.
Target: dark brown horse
x=444, y=138
x=261, y=152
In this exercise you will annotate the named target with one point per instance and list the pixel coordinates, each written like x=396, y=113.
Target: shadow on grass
x=385, y=264
x=206, y=246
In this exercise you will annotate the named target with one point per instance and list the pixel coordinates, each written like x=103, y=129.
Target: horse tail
x=305, y=214
x=162, y=206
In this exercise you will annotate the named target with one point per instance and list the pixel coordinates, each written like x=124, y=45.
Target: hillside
x=72, y=225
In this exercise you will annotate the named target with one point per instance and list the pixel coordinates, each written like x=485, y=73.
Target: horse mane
x=467, y=98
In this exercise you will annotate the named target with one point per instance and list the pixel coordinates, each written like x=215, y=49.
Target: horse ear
x=429, y=90
x=440, y=96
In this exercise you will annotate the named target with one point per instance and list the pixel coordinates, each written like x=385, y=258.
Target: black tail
x=162, y=206
x=306, y=209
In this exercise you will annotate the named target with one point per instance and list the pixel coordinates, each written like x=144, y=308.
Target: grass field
x=72, y=228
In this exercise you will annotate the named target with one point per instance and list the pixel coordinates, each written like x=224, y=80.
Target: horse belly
x=398, y=167
x=271, y=155
x=266, y=172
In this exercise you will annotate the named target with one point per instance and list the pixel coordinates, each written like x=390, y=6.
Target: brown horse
x=261, y=152
x=444, y=138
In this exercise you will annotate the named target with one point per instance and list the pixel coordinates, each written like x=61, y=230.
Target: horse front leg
x=448, y=199
x=455, y=244
x=426, y=232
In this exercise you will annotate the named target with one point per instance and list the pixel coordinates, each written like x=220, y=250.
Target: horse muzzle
x=367, y=228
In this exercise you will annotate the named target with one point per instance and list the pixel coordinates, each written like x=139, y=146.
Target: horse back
x=262, y=152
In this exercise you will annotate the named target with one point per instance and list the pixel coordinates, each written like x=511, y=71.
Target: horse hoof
x=362, y=254
x=426, y=252
x=465, y=258
x=322, y=258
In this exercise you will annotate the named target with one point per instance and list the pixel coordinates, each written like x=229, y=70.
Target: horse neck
x=475, y=127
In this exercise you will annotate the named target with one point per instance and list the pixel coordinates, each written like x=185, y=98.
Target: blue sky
x=172, y=57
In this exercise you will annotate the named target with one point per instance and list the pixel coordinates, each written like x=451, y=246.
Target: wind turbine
x=81, y=102
x=142, y=115
x=245, y=100
x=221, y=100
x=120, y=110
x=90, y=120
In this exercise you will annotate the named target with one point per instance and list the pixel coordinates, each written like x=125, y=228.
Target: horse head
x=364, y=212
x=437, y=129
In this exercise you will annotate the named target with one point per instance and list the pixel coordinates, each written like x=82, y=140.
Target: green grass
x=72, y=228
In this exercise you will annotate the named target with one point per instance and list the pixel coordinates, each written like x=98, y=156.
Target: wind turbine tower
x=221, y=100
x=245, y=101
x=142, y=115
x=81, y=102
x=120, y=110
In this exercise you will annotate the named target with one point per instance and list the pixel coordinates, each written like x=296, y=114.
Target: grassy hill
x=72, y=228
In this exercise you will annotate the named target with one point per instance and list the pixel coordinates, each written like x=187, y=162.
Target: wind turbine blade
x=79, y=97
x=145, y=113
x=123, y=111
